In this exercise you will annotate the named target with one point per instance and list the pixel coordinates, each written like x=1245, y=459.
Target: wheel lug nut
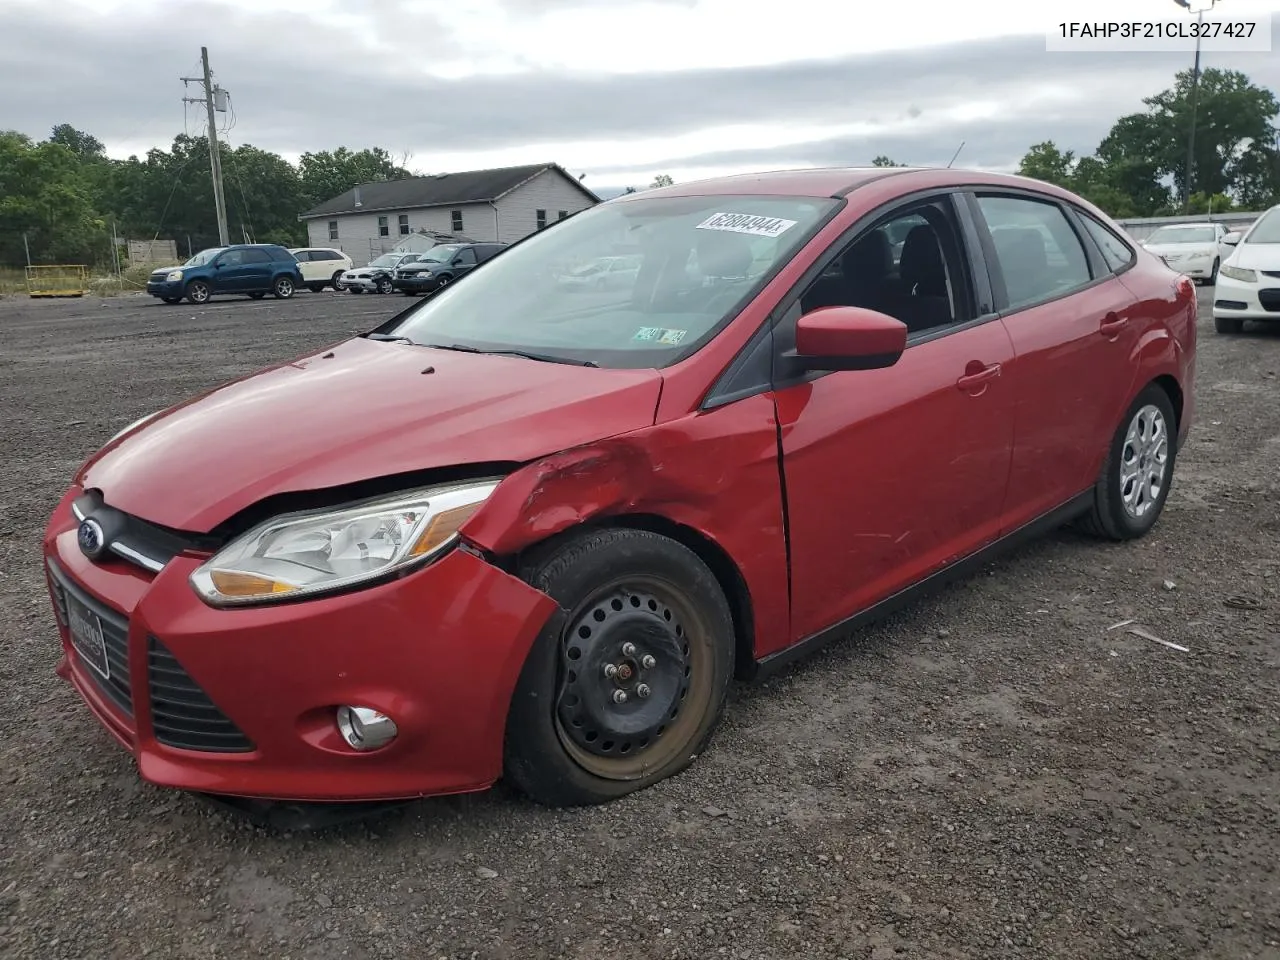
x=642, y=690
x=610, y=670
x=620, y=696
x=648, y=661
x=628, y=649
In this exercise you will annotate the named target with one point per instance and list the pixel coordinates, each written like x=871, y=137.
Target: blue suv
x=255, y=269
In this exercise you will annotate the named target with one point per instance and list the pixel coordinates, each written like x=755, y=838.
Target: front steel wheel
x=1134, y=485
x=626, y=685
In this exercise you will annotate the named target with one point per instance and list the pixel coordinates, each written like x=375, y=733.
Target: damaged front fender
x=714, y=475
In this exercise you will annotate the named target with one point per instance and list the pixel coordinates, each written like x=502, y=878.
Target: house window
x=404, y=224
x=561, y=214
x=542, y=218
x=333, y=229
x=457, y=221
x=384, y=230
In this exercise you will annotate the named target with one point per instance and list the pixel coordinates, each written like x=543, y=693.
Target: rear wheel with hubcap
x=198, y=292
x=1134, y=486
x=625, y=687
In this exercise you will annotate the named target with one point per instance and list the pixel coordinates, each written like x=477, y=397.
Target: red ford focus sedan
x=533, y=530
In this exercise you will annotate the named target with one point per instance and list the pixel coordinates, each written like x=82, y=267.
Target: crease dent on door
x=710, y=480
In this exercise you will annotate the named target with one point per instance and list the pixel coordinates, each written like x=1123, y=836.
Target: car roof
x=839, y=181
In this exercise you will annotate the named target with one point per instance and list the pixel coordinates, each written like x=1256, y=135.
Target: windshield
x=1183, y=235
x=699, y=261
x=203, y=257
x=386, y=260
x=1267, y=229
x=441, y=253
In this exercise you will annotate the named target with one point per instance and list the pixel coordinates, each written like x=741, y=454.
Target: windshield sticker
x=659, y=335
x=747, y=223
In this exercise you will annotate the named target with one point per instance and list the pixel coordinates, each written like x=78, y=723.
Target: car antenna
x=956, y=154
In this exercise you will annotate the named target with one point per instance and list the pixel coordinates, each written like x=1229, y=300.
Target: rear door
x=258, y=268
x=892, y=474
x=464, y=261
x=1074, y=326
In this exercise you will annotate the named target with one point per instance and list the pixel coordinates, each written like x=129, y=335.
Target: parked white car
x=322, y=266
x=376, y=277
x=1249, y=280
x=1195, y=249
x=603, y=273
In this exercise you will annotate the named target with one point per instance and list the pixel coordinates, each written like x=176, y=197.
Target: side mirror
x=1232, y=238
x=849, y=338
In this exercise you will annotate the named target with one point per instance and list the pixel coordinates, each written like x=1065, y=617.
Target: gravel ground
x=989, y=774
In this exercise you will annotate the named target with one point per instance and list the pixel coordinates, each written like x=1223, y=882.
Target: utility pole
x=1195, y=103
x=215, y=160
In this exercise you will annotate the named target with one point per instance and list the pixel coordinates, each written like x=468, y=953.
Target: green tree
x=46, y=198
x=1044, y=161
x=264, y=194
x=662, y=180
x=329, y=173
x=883, y=161
x=1234, y=132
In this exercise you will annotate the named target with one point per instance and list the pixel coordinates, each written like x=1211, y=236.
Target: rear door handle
x=971, y=381
x=1112, y=324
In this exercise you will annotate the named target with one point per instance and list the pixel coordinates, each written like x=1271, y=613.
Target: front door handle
x=978, y=376
x=1112, y=324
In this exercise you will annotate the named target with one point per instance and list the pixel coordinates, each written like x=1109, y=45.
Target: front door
x=230, y=274
x=893, y=474
x=464, y=261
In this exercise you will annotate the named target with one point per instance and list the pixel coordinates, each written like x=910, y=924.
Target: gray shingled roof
x=438, y=190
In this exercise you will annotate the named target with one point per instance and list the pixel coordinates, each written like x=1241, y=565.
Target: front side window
x=232, y=258
x=697, y=262
x=909, y=266
x=1038, y=252
x=1267, y=229
x=466, y=257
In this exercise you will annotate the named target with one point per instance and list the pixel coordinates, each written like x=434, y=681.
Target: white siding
x=358, y=232
x=549, y=191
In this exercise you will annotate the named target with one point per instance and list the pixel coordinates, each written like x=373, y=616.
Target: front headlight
x=1238, y=273
x=304, y=554
x=173, y=275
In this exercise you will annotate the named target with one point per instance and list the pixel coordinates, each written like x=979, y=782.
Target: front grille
x=115, y=635
x=182, y=714
x=1270, y=299
x=135, y=540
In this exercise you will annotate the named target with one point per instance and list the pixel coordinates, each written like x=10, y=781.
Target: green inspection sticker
x=659, y=335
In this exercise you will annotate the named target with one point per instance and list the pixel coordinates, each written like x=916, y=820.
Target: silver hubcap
x=285, y=288
x=199, y=293
x=1144, y=461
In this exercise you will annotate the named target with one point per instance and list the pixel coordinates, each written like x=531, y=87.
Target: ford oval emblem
x=91, y=538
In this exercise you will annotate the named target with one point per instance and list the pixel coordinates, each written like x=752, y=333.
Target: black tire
x=282, y=288
x=256, y=296
x=1228, y=325
x=383, y=285
x=336, y=282
x=171, y=299
x=617, y=586
x=315, y=287
x=198, y=292
x=1213, y=274
x=1109, y=517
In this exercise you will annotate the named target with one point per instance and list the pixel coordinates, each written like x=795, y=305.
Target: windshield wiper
x=387, y=338
x=545, y=358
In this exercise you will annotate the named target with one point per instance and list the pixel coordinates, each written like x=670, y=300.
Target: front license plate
x=86, y=636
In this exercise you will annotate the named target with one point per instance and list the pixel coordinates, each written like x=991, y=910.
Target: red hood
x=362, y=410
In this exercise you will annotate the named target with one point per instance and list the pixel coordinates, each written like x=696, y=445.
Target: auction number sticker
x=756, y=226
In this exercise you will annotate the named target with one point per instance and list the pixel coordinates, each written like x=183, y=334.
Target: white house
x=505, y=204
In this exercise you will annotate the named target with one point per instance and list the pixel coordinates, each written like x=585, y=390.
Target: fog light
x=365, y=728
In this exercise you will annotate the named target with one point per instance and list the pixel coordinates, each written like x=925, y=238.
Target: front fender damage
x=714, y=474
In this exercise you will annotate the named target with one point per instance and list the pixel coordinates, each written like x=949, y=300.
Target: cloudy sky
x=618, y=89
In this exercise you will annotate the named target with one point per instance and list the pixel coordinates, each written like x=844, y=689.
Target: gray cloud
x=297, y=86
